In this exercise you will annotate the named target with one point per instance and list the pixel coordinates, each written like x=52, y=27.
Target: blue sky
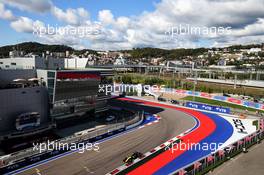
x=125, y=24
x=118, y=8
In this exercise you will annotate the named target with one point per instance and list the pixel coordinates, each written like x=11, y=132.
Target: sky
x=127, y=24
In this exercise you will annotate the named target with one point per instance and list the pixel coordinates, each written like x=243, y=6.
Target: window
x=13, y=64
x=50, y=90
x=51, y=74
x=7, y=66
x=51, y=83
x=1, y=62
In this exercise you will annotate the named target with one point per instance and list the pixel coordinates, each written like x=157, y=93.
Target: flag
x=229, y=148
x=240, y=142
x=261, y=124
x=221, y=153
x=210, y=158
x=254, y=135
x=248, y=138
x=182, y=172
x=197, y=165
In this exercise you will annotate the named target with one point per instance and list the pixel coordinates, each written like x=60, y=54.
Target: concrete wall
x=76, y=63
x=34, y=62
x=22, y=100
x=55, y=63
x=22, y=63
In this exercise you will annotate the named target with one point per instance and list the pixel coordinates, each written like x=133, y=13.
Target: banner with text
x=208, y=107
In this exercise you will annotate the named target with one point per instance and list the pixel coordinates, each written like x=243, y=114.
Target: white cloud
x=27, y=25
x=71, y=16
x=106, y=17
x=39, y=6
x=6, y=14
x=246, y=17
x=256, y=28
x=122, y=23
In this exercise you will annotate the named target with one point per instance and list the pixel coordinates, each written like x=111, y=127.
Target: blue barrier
x=208, y=107
x=40, y=157
x=36, y=158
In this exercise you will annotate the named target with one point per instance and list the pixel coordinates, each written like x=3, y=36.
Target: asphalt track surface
x=113, y=151
x=209, y=130
x=178, y=159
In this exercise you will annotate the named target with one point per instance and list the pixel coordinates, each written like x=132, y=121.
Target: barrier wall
x=15, y=162
x=38, y=157
x=223, y=98
x=135, y=124
x=207, y=107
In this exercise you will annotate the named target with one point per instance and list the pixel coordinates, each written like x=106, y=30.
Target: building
x=175, y=63
x=156, y=61
x=219, y=67
x=222, y=62
x=120, y=61
x=75, y=92
x=24, y=108
x=35, y=100
x=31, y=62
x=252, y=50
x=15, y=53
x=180, y=64
x=76, y=63
x=46, y=62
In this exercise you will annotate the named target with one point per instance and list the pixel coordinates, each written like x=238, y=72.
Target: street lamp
x=194, y=86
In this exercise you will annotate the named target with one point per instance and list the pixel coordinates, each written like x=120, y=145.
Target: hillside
x=33, y=47
x=38, y=48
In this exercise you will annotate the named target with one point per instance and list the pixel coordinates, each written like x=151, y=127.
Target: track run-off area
x=194, y=127
x=214, y=131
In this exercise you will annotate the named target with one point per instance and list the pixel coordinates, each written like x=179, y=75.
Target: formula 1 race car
x=162, y=99
x=174, y=101
x=130, y=159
